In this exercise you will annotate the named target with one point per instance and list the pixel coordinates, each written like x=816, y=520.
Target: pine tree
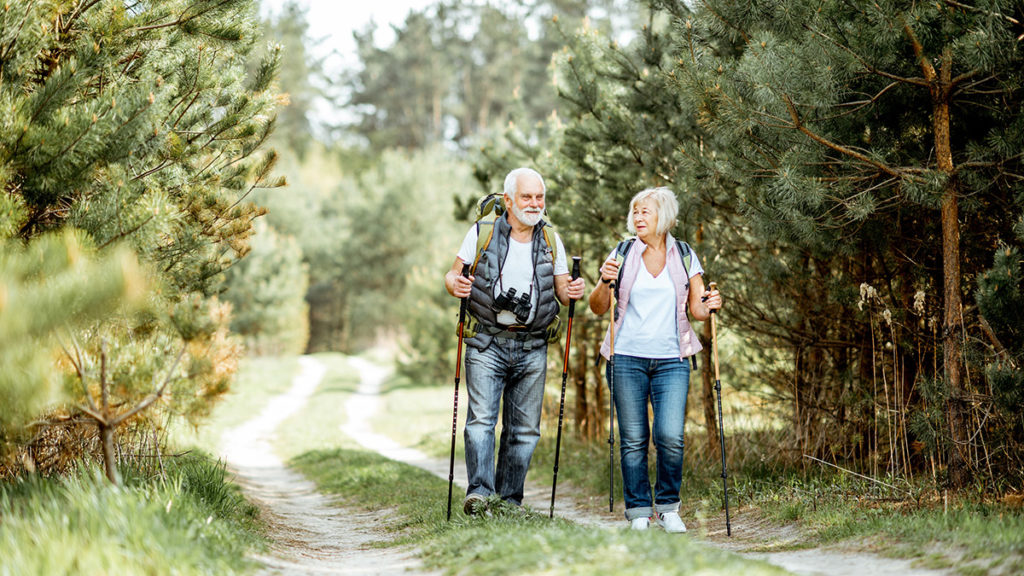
x=137, y=125
x=50, y=288
x=874, y=133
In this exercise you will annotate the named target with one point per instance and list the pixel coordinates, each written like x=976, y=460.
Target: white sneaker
x=639, y=523
x=671, y=522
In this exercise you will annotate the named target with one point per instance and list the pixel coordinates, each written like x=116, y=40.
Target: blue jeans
x=504, y=372
x=663, y=382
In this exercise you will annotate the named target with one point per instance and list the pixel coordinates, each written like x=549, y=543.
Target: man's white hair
x=665, y=204
x=512, y=180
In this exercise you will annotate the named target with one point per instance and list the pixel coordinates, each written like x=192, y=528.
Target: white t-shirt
x=516, y=271
x=650, y=329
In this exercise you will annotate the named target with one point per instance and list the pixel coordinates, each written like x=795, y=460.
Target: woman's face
x=645, y=220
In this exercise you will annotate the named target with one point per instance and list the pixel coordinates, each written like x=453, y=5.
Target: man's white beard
x=527, y=218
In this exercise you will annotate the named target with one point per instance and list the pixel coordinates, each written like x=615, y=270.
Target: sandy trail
x=312, y=535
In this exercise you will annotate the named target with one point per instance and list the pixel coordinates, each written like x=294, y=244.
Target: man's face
x=528, y=206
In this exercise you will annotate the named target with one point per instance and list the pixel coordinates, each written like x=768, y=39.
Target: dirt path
x=313, y=536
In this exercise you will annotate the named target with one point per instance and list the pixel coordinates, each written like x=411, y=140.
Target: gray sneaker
x=474, y=504
x=671, y=522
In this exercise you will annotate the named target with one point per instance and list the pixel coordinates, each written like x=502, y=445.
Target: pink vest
x=689, y=344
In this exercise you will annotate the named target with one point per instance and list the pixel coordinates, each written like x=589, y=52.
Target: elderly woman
x=659, y=280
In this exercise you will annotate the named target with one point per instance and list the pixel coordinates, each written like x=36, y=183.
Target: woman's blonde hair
x=666, y=206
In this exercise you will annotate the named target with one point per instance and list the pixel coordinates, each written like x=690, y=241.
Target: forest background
x=849, y=173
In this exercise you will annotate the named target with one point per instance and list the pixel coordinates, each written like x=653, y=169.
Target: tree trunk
x=579, y=375
x=599, y=407
x=955, y=410
x=708, y=396
x=107, y=444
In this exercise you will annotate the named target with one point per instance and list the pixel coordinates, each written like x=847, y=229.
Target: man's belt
x=516, y=332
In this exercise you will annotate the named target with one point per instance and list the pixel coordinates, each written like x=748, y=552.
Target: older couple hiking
x=519, y=278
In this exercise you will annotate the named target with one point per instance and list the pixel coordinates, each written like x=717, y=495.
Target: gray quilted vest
x=486, y=276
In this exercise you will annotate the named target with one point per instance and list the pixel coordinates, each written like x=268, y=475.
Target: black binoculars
x=519, y=306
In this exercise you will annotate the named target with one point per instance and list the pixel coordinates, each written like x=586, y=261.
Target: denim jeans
x=508, y=373
x=663, y=382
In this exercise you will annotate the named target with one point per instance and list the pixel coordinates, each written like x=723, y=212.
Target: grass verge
x=189, y=522
x=827, y=508
x=413, y=502
x=973, y=535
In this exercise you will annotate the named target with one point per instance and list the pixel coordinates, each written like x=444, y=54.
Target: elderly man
x=519, y=280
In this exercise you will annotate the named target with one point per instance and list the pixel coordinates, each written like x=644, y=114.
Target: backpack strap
x=686, y=255
x=552, y=245
x=482, y=241
x=621, y=249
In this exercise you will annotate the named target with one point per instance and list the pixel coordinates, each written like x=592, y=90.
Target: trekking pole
x=611, y=403
x=561, y=402
x=455, y=409
x=721, y=427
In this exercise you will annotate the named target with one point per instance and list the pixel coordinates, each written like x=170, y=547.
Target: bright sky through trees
x=334, y=21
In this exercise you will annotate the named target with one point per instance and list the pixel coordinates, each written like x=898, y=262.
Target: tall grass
x=190, y=521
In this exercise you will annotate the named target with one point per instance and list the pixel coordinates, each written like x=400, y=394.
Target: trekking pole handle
x=575, y=275
x=712, y=286
x=462, y=305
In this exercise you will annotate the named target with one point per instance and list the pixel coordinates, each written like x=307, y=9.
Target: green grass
x=972, y=535
x=829, y=508
x=190, y=522
x=415, y=500
x=420, y=415
x=507, y=543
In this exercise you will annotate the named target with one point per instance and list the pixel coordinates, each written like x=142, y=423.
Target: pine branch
x=182, y=19
x=65, y=25
x=79, y=365
x=4, y=55
x=864, y=63
x=927, y=68
x=125, y=233
x=95, y=415
x=743, y=33
x=148, y=400
x=798, y=125
x=983, y=11
x=858, y=105
x=104, y=392
x=163, y=164
x=991, y=335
